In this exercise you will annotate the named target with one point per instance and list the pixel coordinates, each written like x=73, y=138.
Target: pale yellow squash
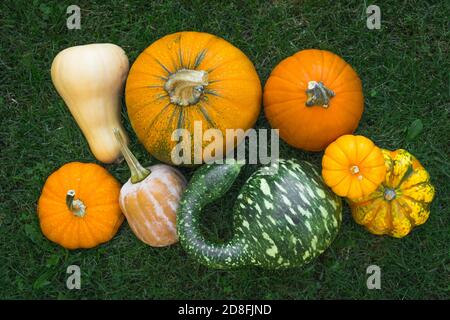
x=90, y=79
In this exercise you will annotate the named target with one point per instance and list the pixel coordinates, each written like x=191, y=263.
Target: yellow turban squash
x=187, y=78
x=402, y=200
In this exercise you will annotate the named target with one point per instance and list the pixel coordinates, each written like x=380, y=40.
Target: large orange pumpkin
x=187, y=77
x=313, y=97
x=79, y=206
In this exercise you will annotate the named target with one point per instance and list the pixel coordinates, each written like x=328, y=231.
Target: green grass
x=405, y=72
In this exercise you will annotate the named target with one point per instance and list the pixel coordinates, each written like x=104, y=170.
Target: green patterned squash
x=284, y=216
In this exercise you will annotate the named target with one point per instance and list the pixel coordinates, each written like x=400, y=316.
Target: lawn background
x=404, y=68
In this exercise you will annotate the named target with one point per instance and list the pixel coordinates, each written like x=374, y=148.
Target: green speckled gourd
x=284, y=216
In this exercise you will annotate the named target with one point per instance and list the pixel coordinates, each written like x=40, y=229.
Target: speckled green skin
x=281, y=220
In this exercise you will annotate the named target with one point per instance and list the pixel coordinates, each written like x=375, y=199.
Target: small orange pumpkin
x=401, y=202
x=190, y=78
x=79, y=206
x=313, y=97
x=353, y=166
x=150, y=198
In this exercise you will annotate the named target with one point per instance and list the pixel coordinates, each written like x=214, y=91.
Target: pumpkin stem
x=389, y=194
x=138, y=172
x=77, y=206
x=185, y=87
x=354, y=169
x=318, y=94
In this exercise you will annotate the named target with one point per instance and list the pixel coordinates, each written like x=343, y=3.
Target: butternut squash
x=90, y=79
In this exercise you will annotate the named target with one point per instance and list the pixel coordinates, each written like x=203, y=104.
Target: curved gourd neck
x=218, y=255
x=138, y=172
x=210, y=182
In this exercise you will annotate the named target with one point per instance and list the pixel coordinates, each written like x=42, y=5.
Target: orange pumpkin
x=353, y=166
x=401, y=202
x=190, y=77
x=313, y=97
x=79, y=206
x=150, y=198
